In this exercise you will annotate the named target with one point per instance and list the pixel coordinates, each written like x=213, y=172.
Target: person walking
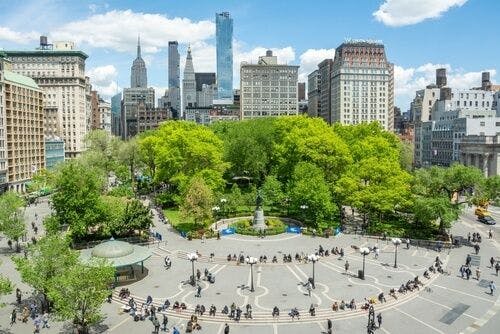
x=478, y=273
x=377, y=252
x=497, y=268
x=156, y=324
x=329, y=324
x=346, y=266
x=492, y=287
x=176, y=331
x=45, y=320
x=226, y=329
x=164, y=322
x=492, y=262
x=13, y=317
x=198, y=292
x=490, y=234
x=309, y=288
x=379, y=319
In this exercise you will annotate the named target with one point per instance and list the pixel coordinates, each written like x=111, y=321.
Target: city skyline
x=418, y=39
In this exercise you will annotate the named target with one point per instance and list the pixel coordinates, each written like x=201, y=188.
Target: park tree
x=79, y=292
x=309, y=139
x=50, y=257
x=12, y=217
x=102, y=148
x=272, y=191
x=198, y=201
x=129, y=156
x=185, y=149
x=308, y=189
x=234, y=199
x=5, y=286
x=136, y=216
x=434, y=210
x=149, y=145
x=248, y=146
x=77, y=202
x=489, y=190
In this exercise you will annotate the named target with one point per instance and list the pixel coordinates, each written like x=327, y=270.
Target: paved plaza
x=445, y=304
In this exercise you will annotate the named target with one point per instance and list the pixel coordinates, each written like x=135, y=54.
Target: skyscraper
x=362, y=84
x=174, y=90
x=138, y=76
x=188, y=83
x=224, y=39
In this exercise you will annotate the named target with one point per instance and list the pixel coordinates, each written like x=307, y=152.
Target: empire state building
x=139, y=76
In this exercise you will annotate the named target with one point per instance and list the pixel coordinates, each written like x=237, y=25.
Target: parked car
x=488, y=220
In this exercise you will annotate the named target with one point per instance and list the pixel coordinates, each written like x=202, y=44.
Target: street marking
x=221, y=327
x=414, y=252
x=275, y=329
x=446, y=307
x=120, y=323
x=384, y=330
x=464, y=293
x=418, y=320
x=321, y=326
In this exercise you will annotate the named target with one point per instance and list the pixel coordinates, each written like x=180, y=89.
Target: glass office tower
x=224, y=37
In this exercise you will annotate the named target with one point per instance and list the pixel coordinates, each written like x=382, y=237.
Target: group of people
x=29, y=311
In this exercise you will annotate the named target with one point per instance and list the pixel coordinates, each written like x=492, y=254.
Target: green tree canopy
x=11, y=216
x=198, y=201
x=77, y=202
x=79, y=292
x=308, y=188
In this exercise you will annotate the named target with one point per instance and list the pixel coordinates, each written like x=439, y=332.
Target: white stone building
x=268, y=88
x=362, y=84
x=105, y=115
x=59, y=70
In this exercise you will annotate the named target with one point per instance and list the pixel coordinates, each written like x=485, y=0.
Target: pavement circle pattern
x=263, y=314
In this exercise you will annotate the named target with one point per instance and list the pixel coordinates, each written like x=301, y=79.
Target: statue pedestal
x=258, y=220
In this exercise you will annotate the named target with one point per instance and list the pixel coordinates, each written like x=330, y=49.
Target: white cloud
x=118, y=30
x=408, y=80
x=103, y=80
x=396, y=13
x=7, y=34
x=310, y=59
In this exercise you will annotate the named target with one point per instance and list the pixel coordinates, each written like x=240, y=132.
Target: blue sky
x=419, y=35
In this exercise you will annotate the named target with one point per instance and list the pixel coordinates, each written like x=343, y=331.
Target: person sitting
x=212, y=310
x=381, y=297
x=438, y=261
x=183, y=306
x=312, y=310
x=342, y=305
x=189, y=327
x=352, y=304
x=327, y=253
x=197, y=309
x=206, y=272
x=335, y=306
x=229, y=257
x=297, y=257
x=276, y=312
x=233, y=310
x=275, y=259
x=234, y=257
x=426, y=274
x=225, y=310
x=372, y=300
x=365, y=306
x=432, y=270
x=131, y=303
x=176, y=305
x=194, y=318
x=392, y=293
x=417, y=282
x=202, y=310
x=149, y=300
x=168, y=263
x=265, y=259
x=242, y=259
x=402, y=289
x=261, y=259
x=238, y=314
x=294, y=312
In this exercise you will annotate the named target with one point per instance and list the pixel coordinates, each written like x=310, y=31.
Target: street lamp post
x=251, y=261
x=313, y=258
x=192, y=257
x=396, y=242
x=304, y=207
x=364, y=251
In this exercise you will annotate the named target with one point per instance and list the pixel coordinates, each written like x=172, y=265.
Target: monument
x=258, y=217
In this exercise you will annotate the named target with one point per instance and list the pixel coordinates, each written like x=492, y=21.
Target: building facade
x=24, y=125
x=188, y=83
x=325, y=69
x=362, y=84
x=3, y=140
x=132, y=97
x=174, y=83
x=54, y=152
x=482, y=152
x=224, y=50
x=116, y=112
x=301, y=91
x=313, y=84
x=138, y=72
x=268, y=88
x=206, y=89
x=59, y=70
x=104, y=109
x=149, y=118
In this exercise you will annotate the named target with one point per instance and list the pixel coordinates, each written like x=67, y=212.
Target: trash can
x=361, y=274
